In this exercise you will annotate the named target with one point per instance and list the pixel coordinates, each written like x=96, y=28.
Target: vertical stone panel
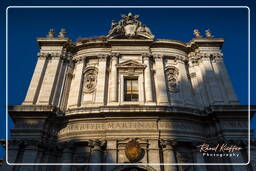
x=148, y=79
x=101, y=80
x=184, y=82
x=113, y=79
x=35, y=83
x=161, y=90
x=66, y=158
x=225, y=83
x=75, y=89
x=169, y=157
x=210, y=81
x=96, y=156
x=153, y=153
x=195, y=84
x=48, y=86
x=201, y=86
x=111, y=154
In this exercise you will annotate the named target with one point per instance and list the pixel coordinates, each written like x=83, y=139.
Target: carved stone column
x=113, y=78
x=215, y=96
x=29, y=155
x=161, y=91
x=225, y=83
x=101, y=80
x=66, y=157
x=148, y=78
x=111, y=154
x=74, y=93
x=169, y=156
x=198, y=157
x=96, y=154
x=153, y=153
x=239, y=158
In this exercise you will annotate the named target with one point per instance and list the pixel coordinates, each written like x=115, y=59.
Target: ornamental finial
x=208, y=33
x=62, y=33
x=197, y=33
x=51, y=33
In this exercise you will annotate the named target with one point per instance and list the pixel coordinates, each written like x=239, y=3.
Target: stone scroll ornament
x=129, y=27
x=90, y=80
x=172, y=74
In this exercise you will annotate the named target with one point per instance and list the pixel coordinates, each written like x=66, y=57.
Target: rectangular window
x=131, y=92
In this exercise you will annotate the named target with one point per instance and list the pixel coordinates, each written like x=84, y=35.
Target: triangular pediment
x=130, y=64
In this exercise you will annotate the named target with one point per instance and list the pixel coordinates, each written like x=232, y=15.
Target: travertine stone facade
x=88, y=99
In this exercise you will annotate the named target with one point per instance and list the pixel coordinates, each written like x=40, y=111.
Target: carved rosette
x=172, y=79
x=90, y=79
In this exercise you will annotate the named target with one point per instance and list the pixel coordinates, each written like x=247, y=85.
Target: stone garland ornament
x=172, y=74
x=90, y=80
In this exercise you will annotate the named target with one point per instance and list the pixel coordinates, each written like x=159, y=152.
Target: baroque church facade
x=130, y=100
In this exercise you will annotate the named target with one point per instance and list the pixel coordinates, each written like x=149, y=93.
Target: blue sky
x=172, y=23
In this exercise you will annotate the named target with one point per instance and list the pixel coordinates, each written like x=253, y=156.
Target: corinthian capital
x=158, y=56
x=146, y=55
x=103, y=57
x=115, y=55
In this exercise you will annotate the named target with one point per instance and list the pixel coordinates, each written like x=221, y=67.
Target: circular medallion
x=133, y=151
x=90, y=80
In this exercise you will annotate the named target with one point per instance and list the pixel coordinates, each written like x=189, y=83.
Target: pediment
x=130, y=64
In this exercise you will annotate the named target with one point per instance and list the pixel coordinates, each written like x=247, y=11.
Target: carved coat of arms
x=129, y=27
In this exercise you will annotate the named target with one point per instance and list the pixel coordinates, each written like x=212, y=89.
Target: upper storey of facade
x=130, y=67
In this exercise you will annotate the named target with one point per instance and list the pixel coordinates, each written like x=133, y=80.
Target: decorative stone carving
x=208, y=33
x=62, y=33
x=171, y=76
x=133, y=151
x=90, y=80
x=51, y=33
x=197, y=34
x=129, y=27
